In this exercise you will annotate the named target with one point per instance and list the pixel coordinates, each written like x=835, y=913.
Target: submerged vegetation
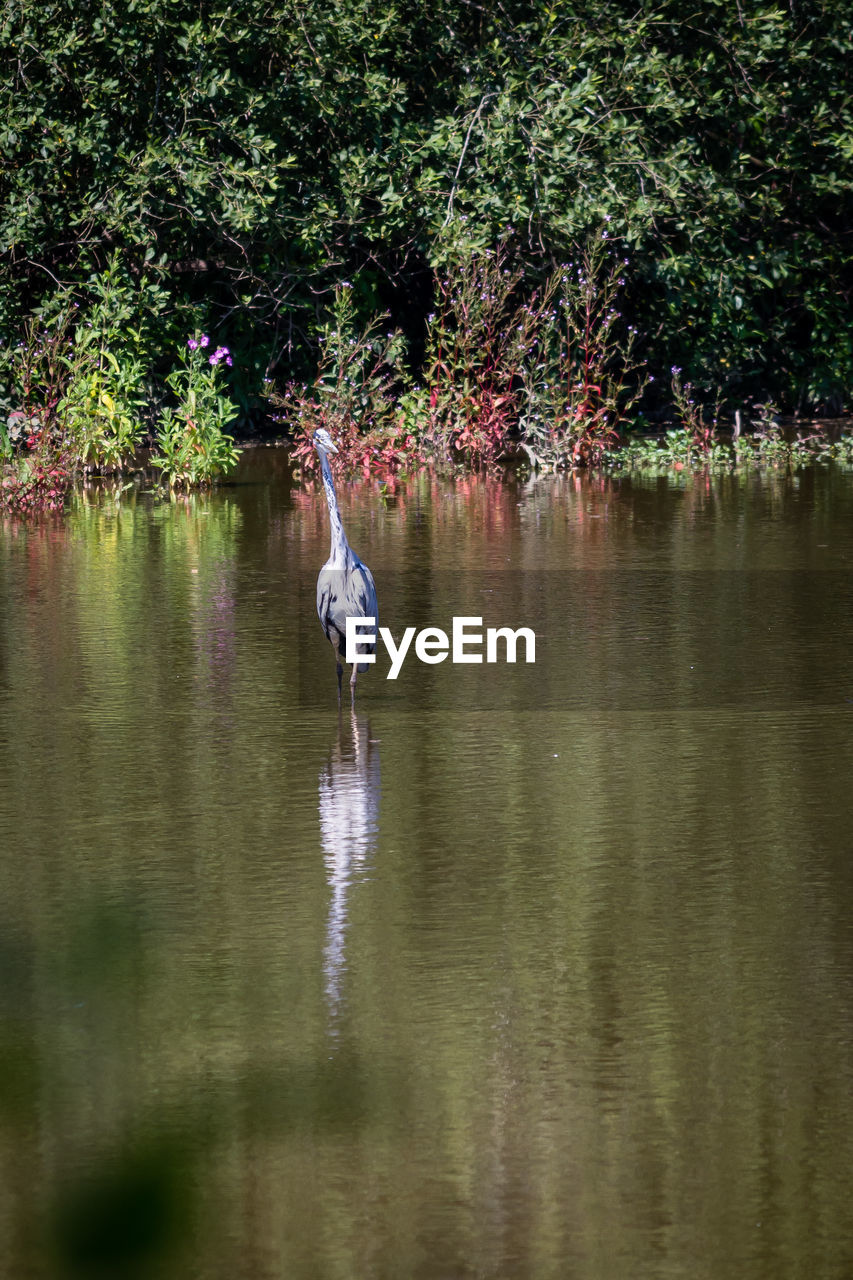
x=444, y=230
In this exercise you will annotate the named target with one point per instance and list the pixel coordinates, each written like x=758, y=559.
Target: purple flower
x=219, y=354
x=228, y=361
x=204, y=340
x=192, y=344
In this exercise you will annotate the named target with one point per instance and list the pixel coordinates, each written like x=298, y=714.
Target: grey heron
x=345, y=587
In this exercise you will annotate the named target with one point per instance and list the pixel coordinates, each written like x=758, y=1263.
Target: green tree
x=245, y=159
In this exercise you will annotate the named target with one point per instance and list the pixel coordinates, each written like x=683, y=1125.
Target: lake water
x=522, y=971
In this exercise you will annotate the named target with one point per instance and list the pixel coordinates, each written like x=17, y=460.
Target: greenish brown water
x=535, y=972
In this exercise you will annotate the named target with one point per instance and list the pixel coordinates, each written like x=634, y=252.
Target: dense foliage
x=235, y=163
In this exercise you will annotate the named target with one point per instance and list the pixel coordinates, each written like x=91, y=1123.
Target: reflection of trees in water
x=348, y=801
x=619, y=1010
x=214, y=626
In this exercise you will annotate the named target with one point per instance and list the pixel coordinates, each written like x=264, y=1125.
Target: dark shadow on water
x=136, y=1209
x=120, y=1185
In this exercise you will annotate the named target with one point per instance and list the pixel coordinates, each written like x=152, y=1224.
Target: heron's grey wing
x=361, y=599
x=368, y=599
x=347, y=593
x=326, y=592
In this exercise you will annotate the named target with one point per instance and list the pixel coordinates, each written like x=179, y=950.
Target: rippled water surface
x=535, y=971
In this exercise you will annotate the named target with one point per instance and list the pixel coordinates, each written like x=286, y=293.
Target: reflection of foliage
x=172, y=1036
x=197, y=529
x=194, y=533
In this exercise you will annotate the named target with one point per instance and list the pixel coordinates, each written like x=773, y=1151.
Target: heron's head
x=323, y=442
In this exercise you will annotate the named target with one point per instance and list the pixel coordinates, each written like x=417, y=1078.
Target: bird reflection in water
x=348, y=801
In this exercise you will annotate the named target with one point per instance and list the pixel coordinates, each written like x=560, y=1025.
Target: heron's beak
x=331, y=447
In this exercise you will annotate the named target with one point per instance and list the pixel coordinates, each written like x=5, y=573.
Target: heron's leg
x=340, y=672
x=352, y=681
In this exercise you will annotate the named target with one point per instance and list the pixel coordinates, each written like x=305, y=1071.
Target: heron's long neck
x=339, y=538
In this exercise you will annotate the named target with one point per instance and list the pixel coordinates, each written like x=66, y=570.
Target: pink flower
x=204, y=340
